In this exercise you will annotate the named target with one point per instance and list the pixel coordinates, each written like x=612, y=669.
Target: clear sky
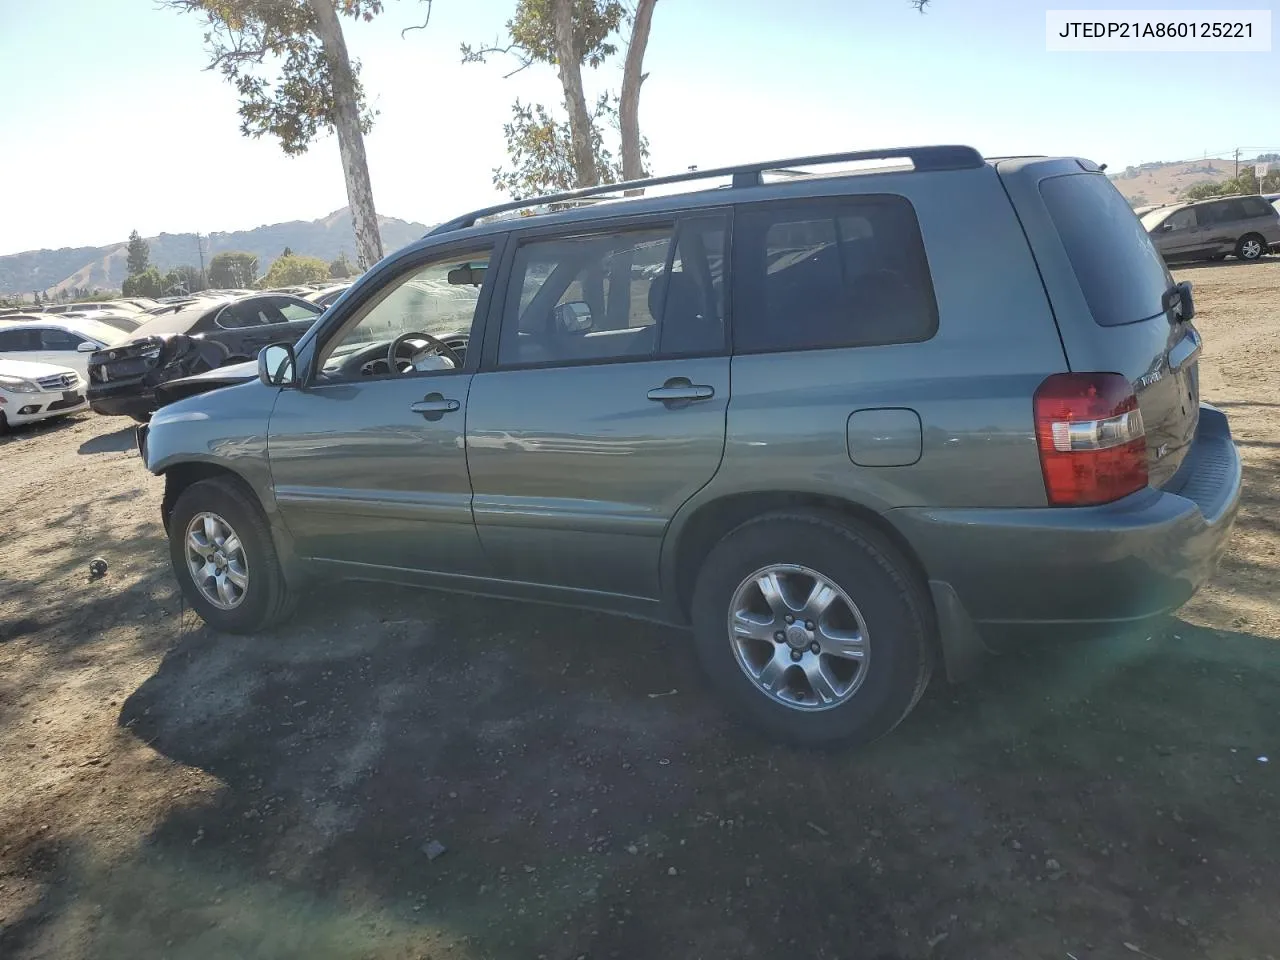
x=110, y=122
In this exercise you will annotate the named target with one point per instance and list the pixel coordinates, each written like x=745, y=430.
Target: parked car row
x=118, y=370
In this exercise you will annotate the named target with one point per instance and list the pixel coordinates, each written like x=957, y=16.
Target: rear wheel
x=816, y=631
x=1251, y=247
x=224, y=558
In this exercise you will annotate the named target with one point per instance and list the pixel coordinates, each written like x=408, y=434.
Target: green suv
x=843, y=422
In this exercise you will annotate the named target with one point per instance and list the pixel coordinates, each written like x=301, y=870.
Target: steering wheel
x=434, y=345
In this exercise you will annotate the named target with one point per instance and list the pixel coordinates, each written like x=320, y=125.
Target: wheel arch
x=711, y=521
x=952, y=634
x=184, y=474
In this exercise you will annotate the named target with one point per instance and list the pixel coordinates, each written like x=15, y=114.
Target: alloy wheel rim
x=1252, y=249
x=799, y=638
x=216, y=561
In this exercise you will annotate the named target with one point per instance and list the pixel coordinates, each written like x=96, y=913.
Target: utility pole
x=200, y=251
x=1237, y=171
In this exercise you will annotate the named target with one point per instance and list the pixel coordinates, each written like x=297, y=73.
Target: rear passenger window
x=621, y=295
x=1257, y=207
x=19, y=340
x=843, y=273
x=1226, y=212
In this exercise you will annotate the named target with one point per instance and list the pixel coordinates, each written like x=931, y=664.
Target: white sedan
x=34, y=391
x=64, y=341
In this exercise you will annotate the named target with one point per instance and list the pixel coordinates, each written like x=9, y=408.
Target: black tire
x=889, y=595
x=267, y=599
x=1247, y=240
x=4, y=424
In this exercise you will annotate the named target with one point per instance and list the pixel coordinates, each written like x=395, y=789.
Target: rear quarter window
x=817, y=274
x=1120, y=272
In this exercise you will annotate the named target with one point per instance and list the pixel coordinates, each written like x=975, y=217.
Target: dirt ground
x=169, y=792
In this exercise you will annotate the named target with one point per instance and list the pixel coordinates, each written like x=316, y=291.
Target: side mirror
x=573, y=317
x=87, y=347
x=1186, y=304
x=278, y=365
x=1166, y=227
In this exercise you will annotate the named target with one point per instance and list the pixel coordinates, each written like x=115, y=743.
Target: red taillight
x=1093, y=448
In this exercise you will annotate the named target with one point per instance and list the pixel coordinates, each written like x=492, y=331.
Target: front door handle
x=680, y=389
x=434, y=406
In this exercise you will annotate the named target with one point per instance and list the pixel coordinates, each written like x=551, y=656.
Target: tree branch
x=419, y=26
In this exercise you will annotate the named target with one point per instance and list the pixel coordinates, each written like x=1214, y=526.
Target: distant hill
x=1152, y=183
x=104, y=267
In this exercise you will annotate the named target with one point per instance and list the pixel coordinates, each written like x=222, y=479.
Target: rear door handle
x=679, y=388
x=434, y=405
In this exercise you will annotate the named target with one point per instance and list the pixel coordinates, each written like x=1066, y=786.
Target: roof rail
x=745, y=175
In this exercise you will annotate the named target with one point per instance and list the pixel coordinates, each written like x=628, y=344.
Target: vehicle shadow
x=40, y=428
x=593, y=799
x=121, y=441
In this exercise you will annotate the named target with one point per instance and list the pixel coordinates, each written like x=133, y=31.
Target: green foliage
x=1202, y=191
x=146, y=283
x=539, y=141
x=234, y=268
x=1245, y=182
x=541, y=152
x=139, y=254
x=246, y=39
x=287, y=252
x=532, y=33
x=342, y=268
x=186, y=278
x=293, y=269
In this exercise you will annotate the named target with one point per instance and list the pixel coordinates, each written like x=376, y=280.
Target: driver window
x=1183, y=219
x=438, y=299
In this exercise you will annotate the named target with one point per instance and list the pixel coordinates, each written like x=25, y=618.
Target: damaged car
x=194, y=338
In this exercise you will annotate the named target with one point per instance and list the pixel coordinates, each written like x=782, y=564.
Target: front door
x=1182, y=235
x=61, y=348
x=367, y=457
x=605, y=408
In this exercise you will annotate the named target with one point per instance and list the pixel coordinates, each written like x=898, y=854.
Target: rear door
x=1224, y=223
x=247, y=326
x=602, y=406
x=1113, y=297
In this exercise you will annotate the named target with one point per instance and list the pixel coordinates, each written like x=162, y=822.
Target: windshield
x=1154, y=218
x=101, y=332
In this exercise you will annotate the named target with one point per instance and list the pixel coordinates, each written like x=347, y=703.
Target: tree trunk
x=346, y=120
x=629, y=102
x=569, y=61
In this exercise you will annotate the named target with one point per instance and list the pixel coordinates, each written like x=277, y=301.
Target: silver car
x=843, y=427
x=1211, y=229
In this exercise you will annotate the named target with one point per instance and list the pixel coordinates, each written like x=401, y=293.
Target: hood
x=28, y=370
x=182, y=387
x=232, y=373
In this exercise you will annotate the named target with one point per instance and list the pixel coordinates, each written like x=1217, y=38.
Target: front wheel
x=815, y=630
x=224, y=558
x=1251, y=247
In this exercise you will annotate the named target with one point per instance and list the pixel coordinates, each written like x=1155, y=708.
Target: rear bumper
x=1121, y=563
x=127, y=398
